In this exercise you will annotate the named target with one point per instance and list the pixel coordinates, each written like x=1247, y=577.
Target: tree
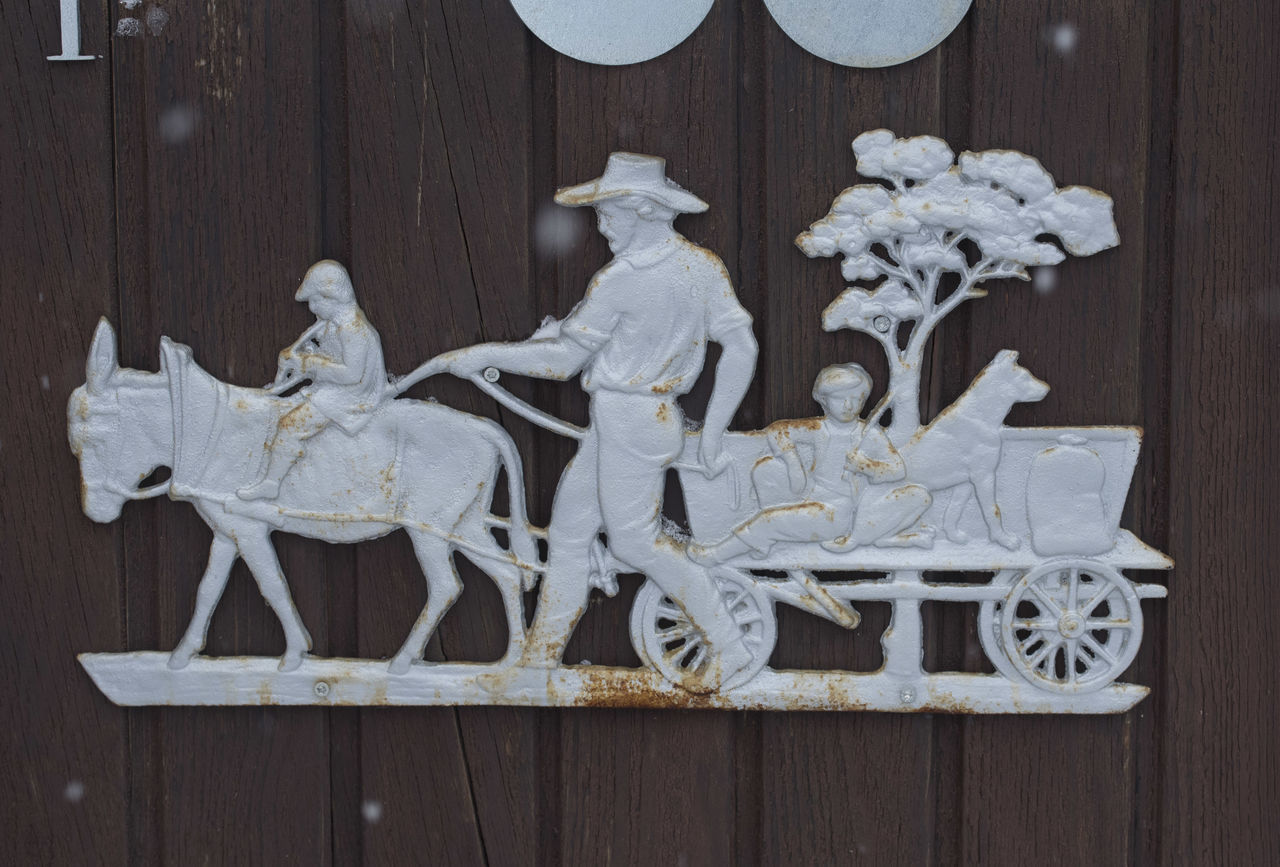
x=987, y=216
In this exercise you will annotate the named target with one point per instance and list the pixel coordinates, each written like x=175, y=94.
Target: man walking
x=639, y=339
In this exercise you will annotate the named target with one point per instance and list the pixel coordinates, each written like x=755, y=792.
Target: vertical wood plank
x=63, y=752
x=1066, y=82
x=1220, y=763
x=626, y=772
x=219, y=196
x=439, y=163
x=836, y=787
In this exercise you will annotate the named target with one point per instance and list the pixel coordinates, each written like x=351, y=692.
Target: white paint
x=372, y=811
x=612, y=32
x=69, y=28
x=157, y=18
x=74, y=792
x=128, y=27
x=868, y=33
x=1032, y=513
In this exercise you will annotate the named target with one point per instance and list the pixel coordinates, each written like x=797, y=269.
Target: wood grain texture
x=1219, y=751
x=1038, y=72
x=63, y=755
x=182, y=184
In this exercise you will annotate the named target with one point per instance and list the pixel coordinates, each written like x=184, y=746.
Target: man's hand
x=467, y=362
x=288, y=367
x=711, y=456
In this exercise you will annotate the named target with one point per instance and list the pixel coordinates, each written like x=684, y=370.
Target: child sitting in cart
x=831, y=480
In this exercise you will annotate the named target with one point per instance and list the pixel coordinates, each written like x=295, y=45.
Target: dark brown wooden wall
x=181, y=185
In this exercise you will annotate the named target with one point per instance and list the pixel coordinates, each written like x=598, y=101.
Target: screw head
x=908, y=695
x=321, y=688
x=881, y=324
x=491, y=374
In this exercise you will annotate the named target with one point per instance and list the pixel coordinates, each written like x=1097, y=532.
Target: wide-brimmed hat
x=633, y=175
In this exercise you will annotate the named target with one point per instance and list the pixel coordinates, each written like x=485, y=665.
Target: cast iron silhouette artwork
x=853, y=505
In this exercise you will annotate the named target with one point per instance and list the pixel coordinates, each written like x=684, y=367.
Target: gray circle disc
x=868, y=33
x=612, y=32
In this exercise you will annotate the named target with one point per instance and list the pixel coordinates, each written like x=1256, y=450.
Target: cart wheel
x=664, y=637
x=1072, y=626
x=989, y=634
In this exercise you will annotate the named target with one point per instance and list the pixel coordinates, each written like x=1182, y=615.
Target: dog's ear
x=1007, y=357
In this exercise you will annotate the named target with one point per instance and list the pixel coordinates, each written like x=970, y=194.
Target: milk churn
x=1064, y=500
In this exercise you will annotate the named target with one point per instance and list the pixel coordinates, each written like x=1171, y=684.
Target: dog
x=960, y=448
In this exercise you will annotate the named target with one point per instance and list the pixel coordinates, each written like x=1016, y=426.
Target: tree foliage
x=986, y=216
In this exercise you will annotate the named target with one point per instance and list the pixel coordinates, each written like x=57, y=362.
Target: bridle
x=115, y=450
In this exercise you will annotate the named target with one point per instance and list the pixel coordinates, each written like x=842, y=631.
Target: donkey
x=960, y=448
x=417, y=466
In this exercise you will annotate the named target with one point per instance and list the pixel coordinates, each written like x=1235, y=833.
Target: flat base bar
x=144, y=678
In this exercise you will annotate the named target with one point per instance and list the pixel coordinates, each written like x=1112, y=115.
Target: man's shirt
x=647, y=317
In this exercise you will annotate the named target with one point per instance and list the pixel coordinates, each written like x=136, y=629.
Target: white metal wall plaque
x=868, y=33
x=864, y=33
x=821, y=514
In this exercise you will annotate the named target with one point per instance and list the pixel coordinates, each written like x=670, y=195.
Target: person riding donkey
x=823, y=497
x=341, y=355
x=639, y=339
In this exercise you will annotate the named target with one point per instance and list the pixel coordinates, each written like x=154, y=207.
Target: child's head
x=841, y=390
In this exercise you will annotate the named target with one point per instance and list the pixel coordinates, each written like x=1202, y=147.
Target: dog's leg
x=956, y=502
x=986, y=493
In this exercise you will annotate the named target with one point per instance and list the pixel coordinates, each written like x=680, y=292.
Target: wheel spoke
x=747, y=617
x=1073, y=589
x=1096, y=599
x=678, y=653
x=670, y=612
x=698, y=658
x=1073, y=652
x=735, y=599
x=1041, y=625
x=1098, y=649
x=1033, y=662
x=1048, y=601
x=671, y=633
x=1107, y=624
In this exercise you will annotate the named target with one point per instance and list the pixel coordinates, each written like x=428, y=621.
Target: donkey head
x=108, y=428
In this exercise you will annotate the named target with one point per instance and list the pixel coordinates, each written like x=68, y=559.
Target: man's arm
x=345, y=371
x=544, y=358
x=876, y=458
x=733, y=377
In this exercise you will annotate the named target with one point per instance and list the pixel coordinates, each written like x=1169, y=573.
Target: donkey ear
x=101, y=365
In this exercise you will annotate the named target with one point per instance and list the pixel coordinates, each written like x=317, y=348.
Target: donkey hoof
x=290, y=661
x=400, y=664
x=180, y=659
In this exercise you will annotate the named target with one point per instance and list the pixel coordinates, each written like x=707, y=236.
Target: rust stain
x=664, y=413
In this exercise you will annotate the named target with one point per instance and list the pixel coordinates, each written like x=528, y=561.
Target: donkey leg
x=509, y=579
x=258, y=553
x=222, y=553
x=443, y=589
